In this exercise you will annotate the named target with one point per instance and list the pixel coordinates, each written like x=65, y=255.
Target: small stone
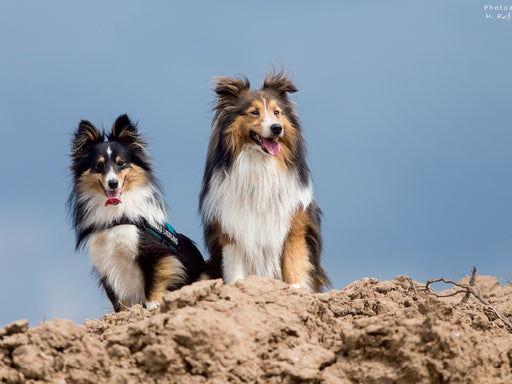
x=19, y=326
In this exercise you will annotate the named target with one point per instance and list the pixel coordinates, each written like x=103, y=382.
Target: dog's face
x=261, y=125
x=110, y=167
x=262, y=120
x=109, y=172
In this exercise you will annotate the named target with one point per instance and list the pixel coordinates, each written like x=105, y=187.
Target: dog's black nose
x=113, y=184
x=276, y=129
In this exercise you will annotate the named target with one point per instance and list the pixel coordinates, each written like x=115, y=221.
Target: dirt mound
x=261, y=330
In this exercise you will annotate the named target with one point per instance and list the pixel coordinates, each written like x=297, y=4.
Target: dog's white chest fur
x=114, y=255
x=254, y=204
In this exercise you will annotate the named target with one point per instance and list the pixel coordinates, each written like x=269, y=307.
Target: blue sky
x=406, y=109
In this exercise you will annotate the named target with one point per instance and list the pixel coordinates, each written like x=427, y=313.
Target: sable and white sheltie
x=256, y=202
x=117, y=210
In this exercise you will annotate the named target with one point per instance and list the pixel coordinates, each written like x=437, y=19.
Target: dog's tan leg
x=168, y=272
x=296, y=264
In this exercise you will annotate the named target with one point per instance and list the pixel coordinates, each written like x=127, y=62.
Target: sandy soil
x=262, y=331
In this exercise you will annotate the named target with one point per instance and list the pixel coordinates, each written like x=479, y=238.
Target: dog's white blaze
x=111, y=174
x=254, y=204
x=109, y=151
x=268, y=121
x=113, y=253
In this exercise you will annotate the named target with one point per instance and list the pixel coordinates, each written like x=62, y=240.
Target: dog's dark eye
x=276, y=112
x=100, y=166
x=120, y=163
x=255, y=113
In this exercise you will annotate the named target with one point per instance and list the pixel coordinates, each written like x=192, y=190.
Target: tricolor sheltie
x=118, y=212
x=256, y=202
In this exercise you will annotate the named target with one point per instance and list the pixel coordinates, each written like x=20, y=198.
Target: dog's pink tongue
x=112, y=201
x=113, y=197
x=272, y=147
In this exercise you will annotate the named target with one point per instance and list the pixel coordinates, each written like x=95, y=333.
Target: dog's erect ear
x=125, y=132
x=278, y=82
x=229, y=89
x=85, y=136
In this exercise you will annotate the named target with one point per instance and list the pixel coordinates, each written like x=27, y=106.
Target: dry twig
x=469, y=290
x=471, y=284
x=413, y=287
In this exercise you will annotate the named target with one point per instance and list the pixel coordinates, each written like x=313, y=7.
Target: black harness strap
x=165, y=233
x=85, y=233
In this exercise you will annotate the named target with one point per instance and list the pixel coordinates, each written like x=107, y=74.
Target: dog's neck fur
x=143, y=202
x=254, y=202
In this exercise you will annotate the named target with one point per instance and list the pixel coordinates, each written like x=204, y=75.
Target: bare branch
x=412, y=284
x=469, y=290
x=471, y=284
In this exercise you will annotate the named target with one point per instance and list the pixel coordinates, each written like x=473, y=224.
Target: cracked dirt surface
x=263, y=331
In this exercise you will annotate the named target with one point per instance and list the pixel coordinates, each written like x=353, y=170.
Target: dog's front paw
x=151, y=305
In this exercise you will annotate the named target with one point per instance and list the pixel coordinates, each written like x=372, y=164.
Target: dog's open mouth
x=113, y=196
x=268, y=145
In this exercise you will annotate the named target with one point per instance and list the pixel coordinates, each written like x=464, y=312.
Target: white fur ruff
x=142, y=202
x=254, y=204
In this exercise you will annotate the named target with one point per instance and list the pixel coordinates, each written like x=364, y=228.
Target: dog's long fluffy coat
x=114, y=193
x=256, y=202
